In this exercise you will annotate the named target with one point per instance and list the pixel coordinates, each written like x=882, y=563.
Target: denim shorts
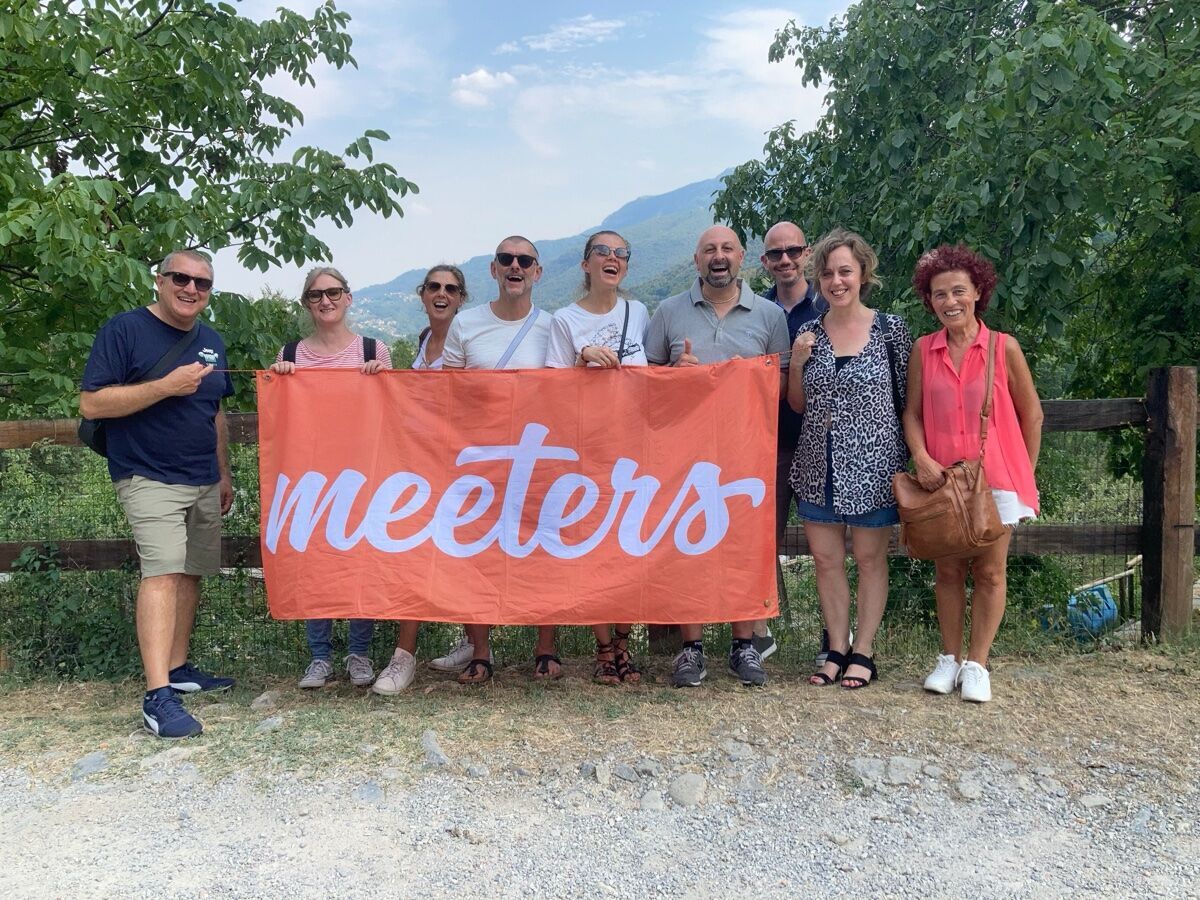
x=883, y=517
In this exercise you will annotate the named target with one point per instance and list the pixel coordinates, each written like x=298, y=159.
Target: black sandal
x=541, y=667
x=606, y=669
x=820, y=679
x=627, y=670
x=868, y=663
x=470, y=675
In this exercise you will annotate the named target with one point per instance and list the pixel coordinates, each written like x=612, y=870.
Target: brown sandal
x=606, y=669
x=627, y=670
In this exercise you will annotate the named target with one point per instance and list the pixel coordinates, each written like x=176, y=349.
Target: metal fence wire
x=80, y=624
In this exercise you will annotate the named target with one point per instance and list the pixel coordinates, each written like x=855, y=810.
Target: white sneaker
x=975, y=681
x=944, y=677
x=398, y=674
x=359, y=669
x=319, y=671
x=458, y=657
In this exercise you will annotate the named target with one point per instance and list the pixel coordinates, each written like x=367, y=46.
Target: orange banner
x=547, y=496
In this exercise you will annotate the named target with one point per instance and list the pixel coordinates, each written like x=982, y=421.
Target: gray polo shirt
x=753, y=327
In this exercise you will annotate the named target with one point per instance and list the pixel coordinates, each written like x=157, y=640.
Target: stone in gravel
x=266, y=700
x=688, y=789
x=932, y=771
x=839, y=839
x=462, y=831
x=390, y=773
x=1094, y=801
x=750, y=785
x=273, y=723
x=167, y=758
x=652, y=801
x=370, y=793
x=603, y=774
x=737, y=750
x=1044, y=772
x=478, y=771
x=435, y=758
x=624, y=772
x=903, y=770
x=1006, y=766
x=518, y=771
x=587, y=768
x=1024, y=782
x=969, y=788
x=870, y=771
x=1053, y=787
x=96, y=761
x=649, y=767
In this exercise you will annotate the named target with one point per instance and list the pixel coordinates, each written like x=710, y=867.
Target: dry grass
x=1134, y=708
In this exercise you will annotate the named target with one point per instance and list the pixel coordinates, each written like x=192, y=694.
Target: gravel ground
x=740, y=815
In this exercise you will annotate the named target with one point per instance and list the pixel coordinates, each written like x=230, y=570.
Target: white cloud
x=507, y=47
x=477, y=88
x=572, y=34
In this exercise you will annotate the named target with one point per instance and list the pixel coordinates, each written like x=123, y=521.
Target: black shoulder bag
x=91, y=431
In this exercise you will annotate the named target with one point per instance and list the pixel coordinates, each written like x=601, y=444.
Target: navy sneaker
x=188, y=679
x=689, y=668
x=165, y=716
x=746, y=664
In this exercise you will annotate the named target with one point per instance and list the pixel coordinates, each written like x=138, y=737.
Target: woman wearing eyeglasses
x=332, y=345
x=603, y=329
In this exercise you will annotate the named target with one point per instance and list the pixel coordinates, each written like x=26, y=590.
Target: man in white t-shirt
x=508, y=333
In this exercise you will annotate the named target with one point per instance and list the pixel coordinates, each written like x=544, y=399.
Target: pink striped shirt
x=349, y=357
x=950, y=405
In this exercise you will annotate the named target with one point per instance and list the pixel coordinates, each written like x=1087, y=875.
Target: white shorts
x=1010, y=507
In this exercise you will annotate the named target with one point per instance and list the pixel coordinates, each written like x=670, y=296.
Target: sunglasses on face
x=451, y=289
x=314, y=296
x=524, y=260
x=605, y=250
x=794, y=252
x=203, y=285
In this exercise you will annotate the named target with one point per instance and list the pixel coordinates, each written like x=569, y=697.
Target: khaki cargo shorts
x=177, y=527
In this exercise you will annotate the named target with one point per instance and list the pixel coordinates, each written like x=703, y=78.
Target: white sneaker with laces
x=319, y=671
x=458, y=657
x=944, y=677
x=360, y=670
x=975, y=682
x=397, y=675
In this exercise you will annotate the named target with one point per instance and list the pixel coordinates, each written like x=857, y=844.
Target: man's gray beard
x=715, y=281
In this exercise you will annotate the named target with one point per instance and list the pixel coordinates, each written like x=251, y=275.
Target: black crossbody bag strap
x=368, y=349
x=891, y=353
x=624, y=331
x=176, y=351
x=289, y=351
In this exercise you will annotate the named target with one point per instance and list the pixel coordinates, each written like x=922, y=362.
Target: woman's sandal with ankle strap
x=853, y=682
x=627, y=670
x=820, y=679
x=606, y=669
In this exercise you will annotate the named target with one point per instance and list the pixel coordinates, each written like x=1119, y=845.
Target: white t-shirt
x=574, y=328
x=478, y=339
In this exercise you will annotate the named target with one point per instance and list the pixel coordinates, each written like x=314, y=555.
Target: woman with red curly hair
x=946, y=387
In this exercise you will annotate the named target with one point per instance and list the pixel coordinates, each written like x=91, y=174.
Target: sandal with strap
x=541, y=667
x=627, y=670
x=854, y=682
x=606, y=669
x=820, y=679
x=478, y=671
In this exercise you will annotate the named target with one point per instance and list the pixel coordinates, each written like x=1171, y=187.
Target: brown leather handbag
x=959, y=519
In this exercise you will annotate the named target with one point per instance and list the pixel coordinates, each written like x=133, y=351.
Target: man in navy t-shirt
x=167, y=456
x=785, y=254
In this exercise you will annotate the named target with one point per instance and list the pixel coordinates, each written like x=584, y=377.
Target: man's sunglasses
x=203, y=285
x=605, y=250
x=451, y=289
x=794, y=252
x=314, y=296
x=524, y=260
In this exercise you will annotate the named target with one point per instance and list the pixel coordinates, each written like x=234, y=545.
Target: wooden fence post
x=1169, y=503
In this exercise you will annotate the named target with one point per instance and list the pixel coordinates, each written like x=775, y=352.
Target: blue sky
x=538, y=118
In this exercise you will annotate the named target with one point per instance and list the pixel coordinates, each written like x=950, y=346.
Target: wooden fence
x=1167, y=537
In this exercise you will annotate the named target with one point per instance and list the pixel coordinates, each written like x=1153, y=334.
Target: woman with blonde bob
x=946, y=388
x=332, y=345
x=847, y=377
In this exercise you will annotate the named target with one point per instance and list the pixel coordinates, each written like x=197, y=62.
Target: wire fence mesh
x=63, y=623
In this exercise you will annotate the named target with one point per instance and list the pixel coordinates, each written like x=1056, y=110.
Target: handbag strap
x=891, y=355
x=520, y=336
x=624, y=331
x=176, y=351
x=985, y=412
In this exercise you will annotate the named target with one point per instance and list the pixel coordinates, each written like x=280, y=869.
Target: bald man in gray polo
x=717, y=318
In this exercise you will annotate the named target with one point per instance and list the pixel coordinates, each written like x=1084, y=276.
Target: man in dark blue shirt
x=785, y=254
x=166, y=446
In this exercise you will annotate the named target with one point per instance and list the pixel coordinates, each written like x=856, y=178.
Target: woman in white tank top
x=443, y=292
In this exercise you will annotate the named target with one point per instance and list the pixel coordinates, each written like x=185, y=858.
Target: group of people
x=858, y=399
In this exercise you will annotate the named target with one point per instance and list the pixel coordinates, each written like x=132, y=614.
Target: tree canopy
x=1062, y=139
x=129, y=128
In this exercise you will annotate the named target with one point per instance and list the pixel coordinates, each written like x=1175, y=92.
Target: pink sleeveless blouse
x=950, y=405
